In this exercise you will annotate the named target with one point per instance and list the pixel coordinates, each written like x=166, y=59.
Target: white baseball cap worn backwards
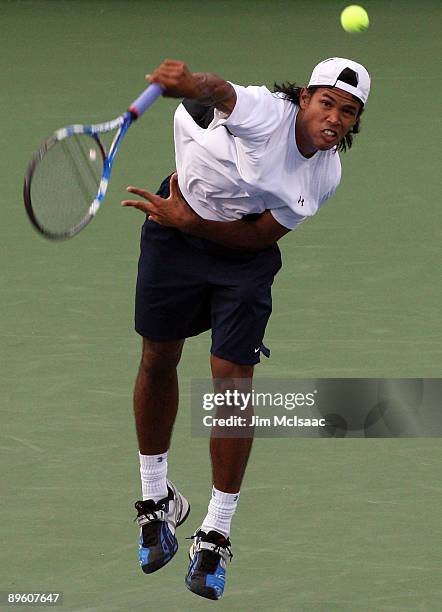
x=329, y=72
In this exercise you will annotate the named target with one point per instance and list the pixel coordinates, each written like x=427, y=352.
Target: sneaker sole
x=202, y=591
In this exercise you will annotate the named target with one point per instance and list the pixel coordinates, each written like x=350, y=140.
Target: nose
x=334, y=116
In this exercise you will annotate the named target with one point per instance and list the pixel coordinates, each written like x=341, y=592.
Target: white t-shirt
x=249, y=162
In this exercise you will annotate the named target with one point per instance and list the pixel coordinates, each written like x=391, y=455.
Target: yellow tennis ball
x=354, y=18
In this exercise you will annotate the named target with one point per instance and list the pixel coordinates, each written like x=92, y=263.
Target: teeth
x=330, y=132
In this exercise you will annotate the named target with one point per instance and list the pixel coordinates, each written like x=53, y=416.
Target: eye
x=326, y=103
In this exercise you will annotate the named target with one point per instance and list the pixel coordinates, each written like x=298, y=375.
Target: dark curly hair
x=292, y=92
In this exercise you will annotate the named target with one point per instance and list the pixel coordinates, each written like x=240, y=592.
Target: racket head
x=65, y=182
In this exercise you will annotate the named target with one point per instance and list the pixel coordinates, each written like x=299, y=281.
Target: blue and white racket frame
x=122, y=124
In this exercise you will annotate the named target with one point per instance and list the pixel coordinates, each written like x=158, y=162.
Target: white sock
x=221, y=509
x=153, y=471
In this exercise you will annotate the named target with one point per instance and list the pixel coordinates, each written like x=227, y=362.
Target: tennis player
x=251, y=165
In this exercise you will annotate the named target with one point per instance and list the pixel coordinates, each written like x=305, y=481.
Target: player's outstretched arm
x=209, y=89
x=175, y=212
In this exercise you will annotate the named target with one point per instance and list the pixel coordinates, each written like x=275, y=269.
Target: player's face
x=324, y=119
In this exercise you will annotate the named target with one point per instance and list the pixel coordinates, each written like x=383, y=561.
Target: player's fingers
x=166, y=80
x=173, y=184
x=175, y=190
x=143, y=206
x=172, y=62
x=154, y=218
x=173, y=66
x=169, y=76
x=143, y=193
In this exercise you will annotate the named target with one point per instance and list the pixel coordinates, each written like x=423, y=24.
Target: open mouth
x=329, y=135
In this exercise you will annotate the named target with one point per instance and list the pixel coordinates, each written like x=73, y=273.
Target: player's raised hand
x=177, y=79
x=173, y=211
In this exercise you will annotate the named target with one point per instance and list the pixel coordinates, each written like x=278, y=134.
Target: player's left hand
x=173, y=211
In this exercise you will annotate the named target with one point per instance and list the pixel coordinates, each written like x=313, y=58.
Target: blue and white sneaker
x=158, y=522
x=208, y=555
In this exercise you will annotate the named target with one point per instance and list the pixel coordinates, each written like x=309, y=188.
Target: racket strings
x=65, y=183
x=81, y=157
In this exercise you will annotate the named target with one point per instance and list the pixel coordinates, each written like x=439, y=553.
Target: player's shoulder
x=267, y=108
x=261, y=93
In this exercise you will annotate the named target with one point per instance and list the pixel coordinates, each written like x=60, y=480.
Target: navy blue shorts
x=187, y=285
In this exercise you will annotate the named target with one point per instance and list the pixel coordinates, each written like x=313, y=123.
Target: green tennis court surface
x=322, y=525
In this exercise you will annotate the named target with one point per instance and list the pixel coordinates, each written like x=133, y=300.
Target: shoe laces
x=150, y=516
x=210, y=558
x=149, y=511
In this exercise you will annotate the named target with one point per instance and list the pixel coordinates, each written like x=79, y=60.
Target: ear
x=304, y=98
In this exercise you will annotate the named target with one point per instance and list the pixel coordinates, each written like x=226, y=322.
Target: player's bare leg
x=230, y=455
x=163, y=507
x=211, y=546
x=156, y=395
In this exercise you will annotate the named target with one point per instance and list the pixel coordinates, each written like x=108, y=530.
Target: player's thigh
x=239, y=320
x=241, y=307
x=172, y=295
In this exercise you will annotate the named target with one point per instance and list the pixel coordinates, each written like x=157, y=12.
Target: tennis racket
x=67, y=178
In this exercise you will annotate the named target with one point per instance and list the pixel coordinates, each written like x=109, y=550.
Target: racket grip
x=146, y=99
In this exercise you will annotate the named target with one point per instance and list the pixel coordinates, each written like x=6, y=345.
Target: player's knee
x=223, y=369
x=160, y=357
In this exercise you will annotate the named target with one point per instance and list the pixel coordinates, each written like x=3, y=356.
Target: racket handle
x=146, y=99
